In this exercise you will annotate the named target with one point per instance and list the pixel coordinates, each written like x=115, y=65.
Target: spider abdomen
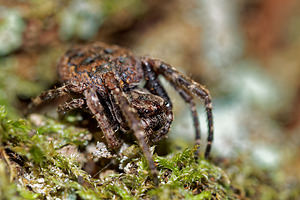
x=90, y=63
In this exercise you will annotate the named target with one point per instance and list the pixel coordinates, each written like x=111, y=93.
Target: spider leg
x=117, y=114
x=154, y=86
x=46, y=96
x=97, y=110
x=134, y=122
x=70, y=105
x=188, y=98
x=181, y=81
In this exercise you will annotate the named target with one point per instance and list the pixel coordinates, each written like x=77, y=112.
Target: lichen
x=81, y=19
x=11, y=28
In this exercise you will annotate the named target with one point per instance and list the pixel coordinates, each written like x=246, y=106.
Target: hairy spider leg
x=154, y=86
x=70, y=105
x=46, y=96
x=135, y=123
x=117, y=114
x=133, y=120
x=188, y=98
x=181, y=81
x=97, y=110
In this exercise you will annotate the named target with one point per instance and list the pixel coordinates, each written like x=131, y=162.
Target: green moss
x=10, y=190
x=48, y=172
x=44, y=169
x=201, y=178
x=254, y=182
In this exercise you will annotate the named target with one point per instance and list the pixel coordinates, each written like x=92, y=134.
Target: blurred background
x=246, y=52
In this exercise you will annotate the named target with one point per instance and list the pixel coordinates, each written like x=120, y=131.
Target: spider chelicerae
x=105, y=80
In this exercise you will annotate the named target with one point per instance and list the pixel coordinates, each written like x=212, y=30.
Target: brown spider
x=105, y=79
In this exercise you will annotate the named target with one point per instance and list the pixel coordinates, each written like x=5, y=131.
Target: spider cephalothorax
x=105, y=80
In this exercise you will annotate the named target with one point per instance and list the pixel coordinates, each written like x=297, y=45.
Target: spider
x=106, y=81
